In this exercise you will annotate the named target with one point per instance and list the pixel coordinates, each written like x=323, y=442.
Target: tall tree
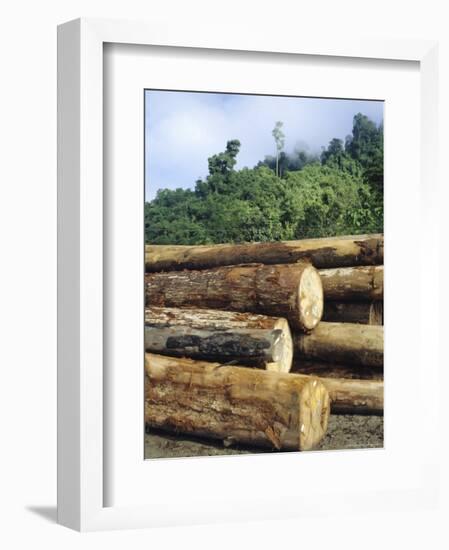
x=289, y=162
x=223, y=163
x=334, y=150
x=366, y=147
x=221, y=166
x=279, y=138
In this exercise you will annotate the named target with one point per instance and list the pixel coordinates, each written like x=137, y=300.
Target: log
x=235, y=404
x=323, y=253
x=214, y=335
x=336, y=370
x=353, y=283
x=291, y=291
x=366, y=313
x=355, y=396
x=343, y=343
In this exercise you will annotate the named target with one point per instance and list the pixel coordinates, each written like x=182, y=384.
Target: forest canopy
x=288, y=196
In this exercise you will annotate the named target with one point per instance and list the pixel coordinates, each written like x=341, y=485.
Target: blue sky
x=183, y=129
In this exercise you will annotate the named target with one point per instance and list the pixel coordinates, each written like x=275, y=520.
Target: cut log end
x=310, y=299
x=314, y=413
x=282, y=346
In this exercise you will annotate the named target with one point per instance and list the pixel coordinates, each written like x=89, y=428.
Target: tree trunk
x=353, y=283
x=323, y=253
x=214, y=335
x=365, y=313
x=355, y=396
x=343, y=343
x=291, y=291
x=235, y=404
x=336, y=370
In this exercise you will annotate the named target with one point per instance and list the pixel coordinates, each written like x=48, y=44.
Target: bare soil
x=344, y=432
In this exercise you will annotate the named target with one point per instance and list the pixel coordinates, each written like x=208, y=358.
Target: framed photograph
x=277, y=267
x=226, y=208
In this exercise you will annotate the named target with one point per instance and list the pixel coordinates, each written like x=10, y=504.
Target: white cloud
x=184, y=129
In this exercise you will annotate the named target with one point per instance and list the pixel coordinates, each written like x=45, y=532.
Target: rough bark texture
x=235, y=404
x=291, y=291
x=353, y=283
x=343, y=343
x=336, y=370
x=215, y=335
x=355, y=396
x=366, y=313
x=328, y=252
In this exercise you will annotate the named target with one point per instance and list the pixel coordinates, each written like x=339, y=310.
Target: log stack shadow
x=258, y=343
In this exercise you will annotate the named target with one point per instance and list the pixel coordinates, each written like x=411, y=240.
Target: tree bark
x=336, y=370
x=343, y=343
x=355, y=396
x=291, y=291
x=214, y=335
x=366, y=313
x=322, y=253
x=235, y=404
x=353, y=283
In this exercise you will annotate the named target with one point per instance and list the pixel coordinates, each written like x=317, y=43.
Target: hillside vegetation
x=337, y=193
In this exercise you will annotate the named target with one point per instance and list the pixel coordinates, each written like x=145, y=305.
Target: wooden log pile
x=293, y=291
x=214, y=335
x=235, y=404
x=258, y=343
x=353, y=294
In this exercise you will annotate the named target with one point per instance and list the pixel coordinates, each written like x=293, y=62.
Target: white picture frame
x=82, y=393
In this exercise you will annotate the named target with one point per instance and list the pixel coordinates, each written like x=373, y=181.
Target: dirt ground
x=344, y=432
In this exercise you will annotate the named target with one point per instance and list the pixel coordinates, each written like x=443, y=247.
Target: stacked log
x=366, y=313
x=353, y=283
x=353, y=294
x=344, y=343
x=355, y=396
x=213, y=311
x=322, y=253
x=293, y=291
x=214, y=335
x=348, y=358
x=235, y=404
x=325, y=369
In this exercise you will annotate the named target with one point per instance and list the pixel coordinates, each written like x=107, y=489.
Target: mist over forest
x=284, y=196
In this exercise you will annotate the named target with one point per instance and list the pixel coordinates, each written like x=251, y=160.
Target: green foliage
x=341, y=195
x=172, y=218
x=289, y=162
x=327, y=201
x=363, y=151
x=223, y=163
